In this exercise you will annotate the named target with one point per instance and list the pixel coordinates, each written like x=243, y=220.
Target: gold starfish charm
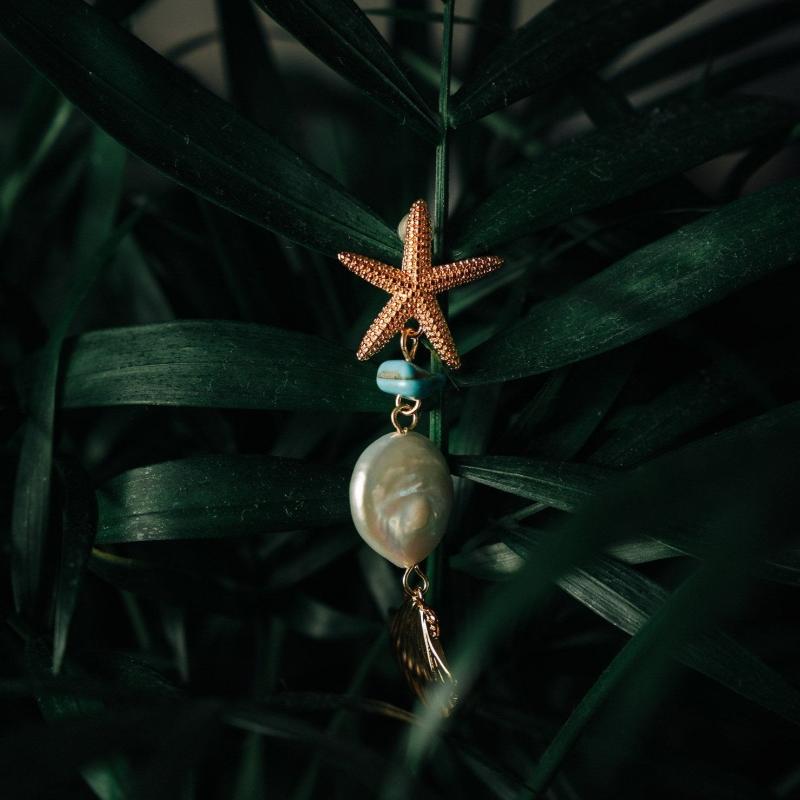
x=414, y=288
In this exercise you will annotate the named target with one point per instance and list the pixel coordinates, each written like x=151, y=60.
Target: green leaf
x=725, y=462
x=559, y=484
x=659, y=284
x=176, y=586
x=567, y=37
x=79, y=526
x=680, y=618
x=45, y=115
x=218, y=497
x=627, y=599
x=360, y=762
x=110, y=778
x=250, y=67
x=170, y=121
x=641, y=431
x=215, y=364
x=94, y=249
x=590, y=389
x=614, y=162
x=724, y=35
x=183, y=588
x=341, y=35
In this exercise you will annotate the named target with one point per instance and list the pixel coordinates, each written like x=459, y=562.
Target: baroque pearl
x=401, y=494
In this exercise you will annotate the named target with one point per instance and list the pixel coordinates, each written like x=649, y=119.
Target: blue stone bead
x=409, y=380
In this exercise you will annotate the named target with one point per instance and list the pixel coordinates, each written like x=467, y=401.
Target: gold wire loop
x=409, y=341
x=420, y=589
x=404, y=428
x=405, y=406
x=402, y=403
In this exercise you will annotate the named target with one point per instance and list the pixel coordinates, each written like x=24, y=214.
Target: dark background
x=645, y=487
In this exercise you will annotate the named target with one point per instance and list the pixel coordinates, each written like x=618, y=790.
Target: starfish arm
x=384, y=276
x=417, y=241
x=432, y=322
x=456, y=273
x=389, y=322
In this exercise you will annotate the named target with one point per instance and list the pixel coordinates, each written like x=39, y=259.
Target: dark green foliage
x=188, y=611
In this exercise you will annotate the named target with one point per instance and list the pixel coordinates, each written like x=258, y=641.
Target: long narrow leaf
x=79, y=526
x=32, y=487
x=215, y=364
x=565, y=38
x=616, y=161
x=341, y=35
x=663, y=282
x=627, y=599
x=218, y=497
x=167, y=119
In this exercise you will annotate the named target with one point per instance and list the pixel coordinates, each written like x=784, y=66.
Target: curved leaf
x=215, y=364
x=663, y=282
x=340, y=34
x=565, y=38
x=627, y=599
x=219, y=496
x=617, y=161
x=169, y=120
x=738, y=461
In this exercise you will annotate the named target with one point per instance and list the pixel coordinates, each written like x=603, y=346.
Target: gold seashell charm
x=415, y=634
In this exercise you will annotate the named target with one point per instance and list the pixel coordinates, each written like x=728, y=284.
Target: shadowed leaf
x=79, y=526
x=663, y=282
x=614, y=162
x=219, y=496
x=565, y=38
x=95, y=246
x=341, y=35
x=167, y=119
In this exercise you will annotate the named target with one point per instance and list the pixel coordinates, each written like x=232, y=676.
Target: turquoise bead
x=408, y=380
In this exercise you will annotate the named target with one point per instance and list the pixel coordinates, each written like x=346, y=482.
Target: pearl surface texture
x=401, y=494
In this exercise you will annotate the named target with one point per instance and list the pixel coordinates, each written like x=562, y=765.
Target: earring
x=401, y=491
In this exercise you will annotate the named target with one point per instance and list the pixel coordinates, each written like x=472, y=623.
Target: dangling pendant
x=401, y=491
x=415, y=634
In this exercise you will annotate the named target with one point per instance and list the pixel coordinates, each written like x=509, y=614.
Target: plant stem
x=437, y=429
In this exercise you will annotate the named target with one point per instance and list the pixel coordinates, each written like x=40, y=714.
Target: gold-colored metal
x=414, y=288
x=402, y=406
x=409, y=342
x=423, y=579
x=408, y=409
x=416, y=636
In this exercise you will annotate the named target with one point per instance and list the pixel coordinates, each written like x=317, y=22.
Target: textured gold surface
x=415, y=634
x=414, y=288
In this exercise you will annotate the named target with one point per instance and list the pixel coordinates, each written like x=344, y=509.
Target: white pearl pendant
x=401, y=494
